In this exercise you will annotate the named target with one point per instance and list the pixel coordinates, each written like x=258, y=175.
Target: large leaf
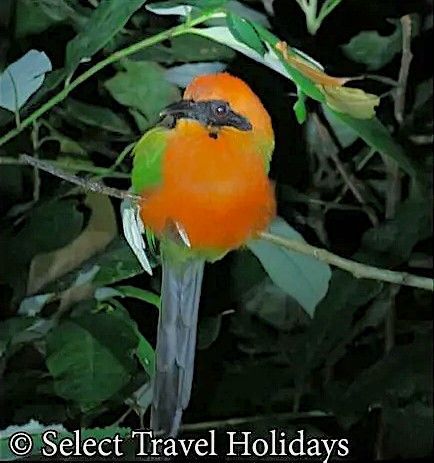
x=303, y=277
x=99, y=232
x=90, y=357
x=115, y=263
x=143, y=88
x=185, y=48
x=35, y=17
x=106, y=21
x=22, y=78
x=97, y=116
x=57, y=221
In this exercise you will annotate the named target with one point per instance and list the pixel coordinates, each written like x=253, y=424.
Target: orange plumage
x=216, y=188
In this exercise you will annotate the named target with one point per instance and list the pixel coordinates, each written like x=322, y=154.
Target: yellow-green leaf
x=352, y=101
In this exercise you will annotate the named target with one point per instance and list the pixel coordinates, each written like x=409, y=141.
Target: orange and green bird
x=202, y=178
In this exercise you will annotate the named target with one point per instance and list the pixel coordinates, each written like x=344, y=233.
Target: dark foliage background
x=78, y=316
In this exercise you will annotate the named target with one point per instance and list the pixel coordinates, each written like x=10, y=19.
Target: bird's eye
x=221, y=110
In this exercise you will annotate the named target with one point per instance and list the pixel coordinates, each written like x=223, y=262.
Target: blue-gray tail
x=176, y=343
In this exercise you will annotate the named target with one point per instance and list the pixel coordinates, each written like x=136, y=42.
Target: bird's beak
x=238, y=121
x=182, y=108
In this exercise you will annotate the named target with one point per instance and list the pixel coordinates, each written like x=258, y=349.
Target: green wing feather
x=148, y=159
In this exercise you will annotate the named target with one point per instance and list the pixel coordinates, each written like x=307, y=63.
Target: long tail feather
x=176, y=343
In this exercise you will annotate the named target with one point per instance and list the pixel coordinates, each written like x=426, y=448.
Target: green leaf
x=186, y=48
x=105, y=293
x=300, y=107
x=142, y=86
x=34, y=17
x=244, y=11
x=117, y=262
x=243, y=31
x=345, y=134
x=272, y=305
x=372, y=49
x=58, y=222
x=144, y=351
x=97, y=116
x=22, y=78
x=90, y=358
x=106, y=21
x=393, y=241
x=302, y=277
x=146, y=355
x=351, y=101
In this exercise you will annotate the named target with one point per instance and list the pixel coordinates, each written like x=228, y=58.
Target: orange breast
x=217, y=189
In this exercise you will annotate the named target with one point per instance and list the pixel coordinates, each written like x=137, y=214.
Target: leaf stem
x=116, y=56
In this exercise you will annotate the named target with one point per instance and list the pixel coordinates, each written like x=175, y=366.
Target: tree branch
x=86, y=184
x=355, y=268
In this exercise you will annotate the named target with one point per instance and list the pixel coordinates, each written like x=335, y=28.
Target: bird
x=201, y=176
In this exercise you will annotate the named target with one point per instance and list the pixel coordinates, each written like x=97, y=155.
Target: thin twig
x=357, y=269
x=349, y=178
x=67, y=165
x=84, y=183
x=346, y=176
x=406, y=58
x=36, y=176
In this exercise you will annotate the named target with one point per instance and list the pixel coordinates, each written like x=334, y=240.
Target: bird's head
x=222, y=102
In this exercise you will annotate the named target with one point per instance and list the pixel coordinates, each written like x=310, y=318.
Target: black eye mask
x=212, y=113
